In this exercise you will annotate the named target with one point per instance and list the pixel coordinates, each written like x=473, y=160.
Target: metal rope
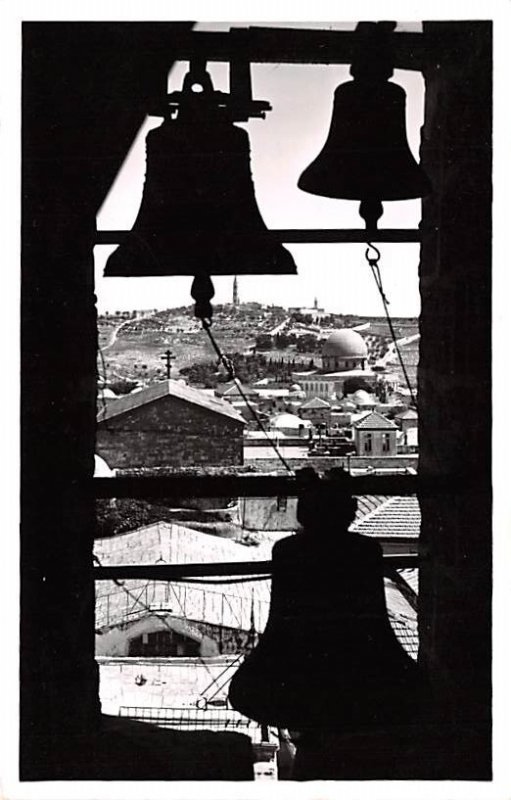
x=229, y=367
x=375, y=269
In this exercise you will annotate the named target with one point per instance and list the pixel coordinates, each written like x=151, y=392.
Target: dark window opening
x=164, y=644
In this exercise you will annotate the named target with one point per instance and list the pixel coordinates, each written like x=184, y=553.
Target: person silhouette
x=328, y=663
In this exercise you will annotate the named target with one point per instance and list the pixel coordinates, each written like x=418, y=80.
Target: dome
x=363, y=398
x=288, y=421
x=345, y=343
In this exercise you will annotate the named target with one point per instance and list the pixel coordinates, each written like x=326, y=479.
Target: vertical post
x=454, y=389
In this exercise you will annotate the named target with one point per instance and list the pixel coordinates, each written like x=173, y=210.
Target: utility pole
x=167, y=357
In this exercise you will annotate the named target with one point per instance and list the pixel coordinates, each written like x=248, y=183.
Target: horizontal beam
x=261, y=45
x=249, y=486
x=301, y=236
x=180, y=572
x=252, y=485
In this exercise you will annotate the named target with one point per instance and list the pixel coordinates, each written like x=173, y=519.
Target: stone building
x=316, y=411
x=407, y=419
x=375, y=435
x=169, y=424
x=159, y=618
x=290, y=425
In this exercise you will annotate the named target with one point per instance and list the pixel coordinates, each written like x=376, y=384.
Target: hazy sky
x=282, y=145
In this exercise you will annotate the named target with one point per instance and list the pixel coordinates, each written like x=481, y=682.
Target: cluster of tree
x=122, y=387
x=128, y=514
x=352, y=385
x=248, y=368
x=308, y=343
x=330, y=320
x=281, y=368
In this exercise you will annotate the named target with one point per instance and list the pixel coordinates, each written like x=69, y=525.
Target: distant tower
x=235, y=296
x=316, y=303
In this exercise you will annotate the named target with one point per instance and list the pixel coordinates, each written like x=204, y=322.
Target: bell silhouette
x=328, y=657
x=199, y=214
x=366, y=155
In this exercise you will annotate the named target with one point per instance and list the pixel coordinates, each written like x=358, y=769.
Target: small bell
x=199, y=214
x=366, y=155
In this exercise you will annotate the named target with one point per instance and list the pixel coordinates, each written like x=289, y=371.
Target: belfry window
x=77, y=133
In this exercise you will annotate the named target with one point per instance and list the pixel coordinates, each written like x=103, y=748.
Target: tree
x=264, y=342
x=352, y=385
x=122, y=387
x=307, y=343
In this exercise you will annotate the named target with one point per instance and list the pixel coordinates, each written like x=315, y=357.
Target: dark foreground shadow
x=125, y=750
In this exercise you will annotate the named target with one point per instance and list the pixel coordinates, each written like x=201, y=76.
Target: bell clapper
x=203, y=292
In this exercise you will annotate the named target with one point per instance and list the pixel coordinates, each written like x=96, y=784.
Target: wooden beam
x=261, y=45
x=248, y=485
x=252, y=485
x=180, y=572
x=300, y=236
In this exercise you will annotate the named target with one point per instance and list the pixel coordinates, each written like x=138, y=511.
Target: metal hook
x=374, y=259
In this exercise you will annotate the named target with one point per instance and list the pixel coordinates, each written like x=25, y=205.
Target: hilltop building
x=169, y=424
x=316, y=313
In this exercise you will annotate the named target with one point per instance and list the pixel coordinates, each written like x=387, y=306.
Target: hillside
x=133, y=349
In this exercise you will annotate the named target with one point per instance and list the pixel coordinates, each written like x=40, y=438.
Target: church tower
x=235, y=296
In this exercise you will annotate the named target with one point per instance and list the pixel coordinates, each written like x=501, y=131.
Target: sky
x=282, y=145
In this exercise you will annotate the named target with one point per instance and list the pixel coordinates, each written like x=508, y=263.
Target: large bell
x=199, y=214
x=328, y=657
x=366, y=155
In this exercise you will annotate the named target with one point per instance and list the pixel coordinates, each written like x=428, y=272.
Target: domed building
x=344, y=350
x=344, y=355
x=290, y=424
x=363, y=400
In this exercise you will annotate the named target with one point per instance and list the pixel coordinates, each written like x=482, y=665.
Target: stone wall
x=170, y=432
x=169, y=682
x=398, y=463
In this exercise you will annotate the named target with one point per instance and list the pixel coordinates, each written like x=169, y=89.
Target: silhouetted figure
x=328, y=663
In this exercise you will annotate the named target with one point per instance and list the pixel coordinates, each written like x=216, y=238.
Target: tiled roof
x=368, y=503
x=411, y=576
x=374, y=421
x=316, y=402
x=406, y=633
x=233, y=391
x=394, y=517
x=168, y=388
x=410, y=413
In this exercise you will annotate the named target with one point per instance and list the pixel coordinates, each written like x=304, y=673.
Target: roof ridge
x=168, y=388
